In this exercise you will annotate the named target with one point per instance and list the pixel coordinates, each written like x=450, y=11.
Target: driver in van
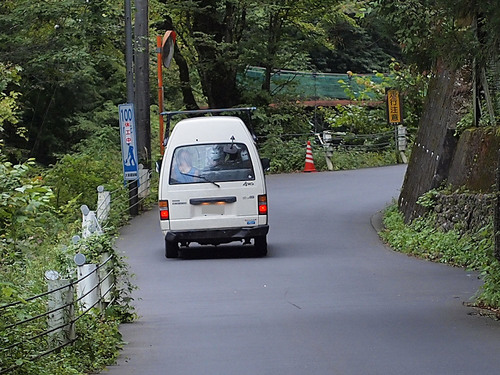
x=183, y=168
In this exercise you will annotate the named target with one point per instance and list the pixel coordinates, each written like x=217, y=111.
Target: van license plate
x=213, y=209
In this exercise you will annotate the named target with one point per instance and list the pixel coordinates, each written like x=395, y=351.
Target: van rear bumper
x=217, y=236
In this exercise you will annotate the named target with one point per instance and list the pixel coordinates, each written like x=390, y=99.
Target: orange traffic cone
x=309, y=167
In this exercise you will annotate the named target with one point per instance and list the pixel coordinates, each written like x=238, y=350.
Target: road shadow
x=219, y=252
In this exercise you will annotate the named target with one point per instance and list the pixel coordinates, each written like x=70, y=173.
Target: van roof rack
x=201, y=112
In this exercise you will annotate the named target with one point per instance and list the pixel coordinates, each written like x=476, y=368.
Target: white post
x=90, y=225
x=106, y=282
x=60, y=320
x=143, y=182
x=328, y=147
x=103, y=204
x=87, y=289
x=402, y=138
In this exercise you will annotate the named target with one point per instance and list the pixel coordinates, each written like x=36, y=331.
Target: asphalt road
x=329, y=298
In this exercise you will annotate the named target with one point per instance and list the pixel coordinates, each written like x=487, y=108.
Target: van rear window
x=208, y=163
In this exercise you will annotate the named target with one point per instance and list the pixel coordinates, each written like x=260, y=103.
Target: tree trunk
x=187, y=91
x=184, y=76
x=216, y=45
x=274, y=36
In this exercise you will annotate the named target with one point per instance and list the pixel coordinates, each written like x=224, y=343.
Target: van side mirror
x=266, y=164
x=158, y=166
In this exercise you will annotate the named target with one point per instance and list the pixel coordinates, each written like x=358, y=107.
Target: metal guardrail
x=57, y=323
x=42, y=324
x=348, y=142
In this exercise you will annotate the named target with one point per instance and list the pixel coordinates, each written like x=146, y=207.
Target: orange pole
x=160, y=91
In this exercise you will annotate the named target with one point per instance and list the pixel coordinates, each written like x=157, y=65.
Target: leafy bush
x=39, y=213
x=8, y=98
x=356, y=119
x=75, y=177
x=352, y=159
x=285, y=156
x=24, y=211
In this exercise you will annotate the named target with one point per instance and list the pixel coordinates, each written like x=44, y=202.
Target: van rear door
x=217, y=184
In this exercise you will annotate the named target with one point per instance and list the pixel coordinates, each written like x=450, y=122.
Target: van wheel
x=171, y=249
x=261, y=245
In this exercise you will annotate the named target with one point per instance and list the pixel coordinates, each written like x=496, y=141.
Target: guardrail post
x=90, y=224
x=143, y=182
x=103, y=204
x=107, y=281
x=326, y=142
x=61, y=308
x=87, y=289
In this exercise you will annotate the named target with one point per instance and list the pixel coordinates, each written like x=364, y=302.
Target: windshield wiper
x=201, y=177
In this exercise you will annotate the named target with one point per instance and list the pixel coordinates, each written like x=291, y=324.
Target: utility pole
x=129, y=52
x=142, y=94
x=129, y=58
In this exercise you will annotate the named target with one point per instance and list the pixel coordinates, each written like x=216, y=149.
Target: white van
x=212, y=188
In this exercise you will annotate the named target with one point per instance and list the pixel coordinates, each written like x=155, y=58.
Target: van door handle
x=215, y=200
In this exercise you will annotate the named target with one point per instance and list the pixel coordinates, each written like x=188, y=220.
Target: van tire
x=171, y=249
x=261, y=245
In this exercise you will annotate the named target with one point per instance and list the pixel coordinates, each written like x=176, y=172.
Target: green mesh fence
x=305, y=85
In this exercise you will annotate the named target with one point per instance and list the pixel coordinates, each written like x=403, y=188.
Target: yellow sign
x=394, y=107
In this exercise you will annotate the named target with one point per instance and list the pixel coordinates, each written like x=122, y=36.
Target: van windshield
x=209, y=163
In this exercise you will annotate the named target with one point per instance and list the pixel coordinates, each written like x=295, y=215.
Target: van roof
x=210, y=129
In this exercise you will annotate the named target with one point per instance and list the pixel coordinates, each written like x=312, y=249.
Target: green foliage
x=8, y=98
x=355, y=119
x=98, y=345
x=71, y=66
x=351, y=159
x=360, y=41
x=220, y=39
x=428, y=199
x=285, y=156
x=362, y=119
x=366, y=87
x=412, y=85
x=24, y=210
x=466, y=122
x=76, y=176
x=283, y=135
x=429, y=30
x=36, y=227
x=472, y=250
x=489, y=295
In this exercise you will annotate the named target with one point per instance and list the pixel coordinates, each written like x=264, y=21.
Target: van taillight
x=163, y=206
x=263, y=204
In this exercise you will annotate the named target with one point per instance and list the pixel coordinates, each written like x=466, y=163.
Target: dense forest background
x=64, y=74
x=67, y=68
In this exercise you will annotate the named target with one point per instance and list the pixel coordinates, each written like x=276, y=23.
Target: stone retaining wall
x=465, y=212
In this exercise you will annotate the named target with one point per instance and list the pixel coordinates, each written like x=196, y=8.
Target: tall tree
x=212, y=31
x=224, y=37
x=430, y=29
x=71, y=66
x=284, y=31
